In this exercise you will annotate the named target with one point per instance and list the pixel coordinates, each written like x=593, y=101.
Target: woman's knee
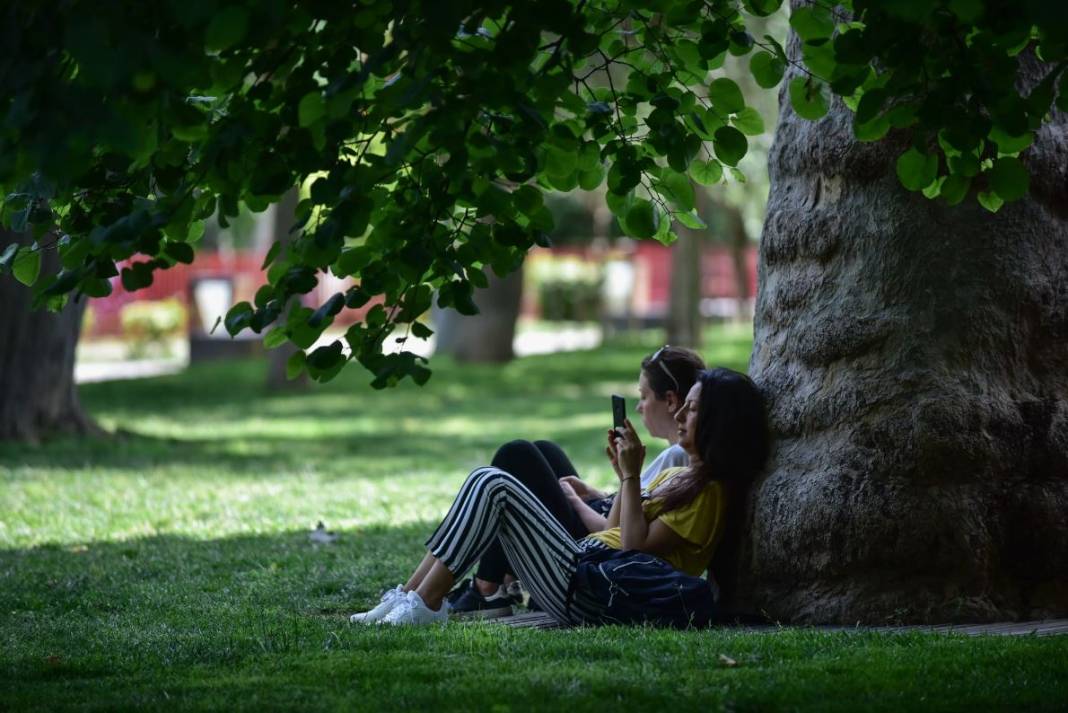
x=514, y=451
x=486, y=476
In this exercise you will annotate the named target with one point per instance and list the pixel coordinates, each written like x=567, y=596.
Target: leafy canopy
x=425, y=133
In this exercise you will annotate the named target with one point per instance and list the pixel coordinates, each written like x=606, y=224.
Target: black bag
x=633, y=587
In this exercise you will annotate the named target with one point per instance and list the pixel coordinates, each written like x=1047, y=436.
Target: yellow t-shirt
x=700, y=523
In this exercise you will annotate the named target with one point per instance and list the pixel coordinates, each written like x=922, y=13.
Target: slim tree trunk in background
x=283, y=219
x=915, y=357
x=38, y=397
x=488, y=335
x=684, y=305
x=738, y=242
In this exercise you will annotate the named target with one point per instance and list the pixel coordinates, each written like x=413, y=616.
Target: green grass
x=170, y=567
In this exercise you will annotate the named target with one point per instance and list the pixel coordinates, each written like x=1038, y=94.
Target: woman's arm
x=593, y=520
x=610, y=451
x=659, y=540
x=630, y=453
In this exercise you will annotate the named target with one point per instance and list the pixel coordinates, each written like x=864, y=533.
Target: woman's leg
x=538, y=466
x=528, y=463
x=420, y=572
x=494, y=505
x=556, y=458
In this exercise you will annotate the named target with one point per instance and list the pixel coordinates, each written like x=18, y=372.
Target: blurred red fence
x=651, y=262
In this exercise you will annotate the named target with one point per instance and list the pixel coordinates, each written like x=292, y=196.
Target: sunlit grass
x=170, y=566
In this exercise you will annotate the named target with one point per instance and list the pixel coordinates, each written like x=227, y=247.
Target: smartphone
x=619, y=411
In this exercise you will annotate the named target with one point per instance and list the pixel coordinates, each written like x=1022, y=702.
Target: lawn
x=170, y=566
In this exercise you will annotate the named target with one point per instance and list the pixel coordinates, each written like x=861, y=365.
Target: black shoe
x=471, y=604
x=458, y=591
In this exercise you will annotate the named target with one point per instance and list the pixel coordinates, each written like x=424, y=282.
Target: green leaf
x=749, y=121
x=808, y=97
x=955, y=188
x=527, y=200
x=730, y=145
x=96, y=287
x=295, y=365
x=812, y=22
x=916, y=170
x=421, y=331
x=238, y=317
x=762, y=8
x=26, y=266
x=180, y=252
x=589, y=157
x=590, y=180
x=271, y=255
x=311, y=108
x=75, y=253
x=871, y=102
x=275, y=338
x=327, y=356
x=932, y=191
x=1011, y=144
x=873, y=130
x=767, y=69
x=226, y=29
x=725, y=95
x=1009, y=179
x=965, y=164
x=706, y=173
x=691, y=220
x=641, y=220
x=990, y=200
x=678, y=188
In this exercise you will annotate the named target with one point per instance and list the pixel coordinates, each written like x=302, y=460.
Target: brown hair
x=732, y=437
x=678, y=372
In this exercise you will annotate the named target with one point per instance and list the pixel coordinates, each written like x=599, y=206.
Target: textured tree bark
x=915, y=357
x=488, y=335
x=38, y=397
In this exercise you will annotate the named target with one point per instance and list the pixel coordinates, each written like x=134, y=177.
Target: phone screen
x=619, y=411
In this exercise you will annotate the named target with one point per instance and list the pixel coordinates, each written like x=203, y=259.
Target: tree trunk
x=38, y=397
x=684, y=298
x=283, y=216
x=738, y=242
x=915, y=358
x=488, y=335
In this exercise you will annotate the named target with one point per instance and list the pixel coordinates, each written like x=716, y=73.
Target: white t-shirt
x=672, y=457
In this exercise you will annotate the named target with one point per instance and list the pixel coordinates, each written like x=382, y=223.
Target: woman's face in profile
x=686, y=420
x=655, y=414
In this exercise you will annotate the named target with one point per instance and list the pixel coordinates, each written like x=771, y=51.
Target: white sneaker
x=389, y=600
x=412, y=610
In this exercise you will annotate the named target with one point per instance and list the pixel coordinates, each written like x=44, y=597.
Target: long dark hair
x=672, y=369
x=732, y=437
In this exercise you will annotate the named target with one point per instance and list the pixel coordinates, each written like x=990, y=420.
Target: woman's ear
x=673, y=402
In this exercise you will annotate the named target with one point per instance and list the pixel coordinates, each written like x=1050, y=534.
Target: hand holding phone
x=619, y=412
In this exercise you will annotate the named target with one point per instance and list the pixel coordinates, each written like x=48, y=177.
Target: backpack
x=633, y=587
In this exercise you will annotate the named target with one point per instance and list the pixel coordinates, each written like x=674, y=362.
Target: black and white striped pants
x=494, y=505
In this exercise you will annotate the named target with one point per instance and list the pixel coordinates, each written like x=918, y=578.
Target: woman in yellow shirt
x=679, y=518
